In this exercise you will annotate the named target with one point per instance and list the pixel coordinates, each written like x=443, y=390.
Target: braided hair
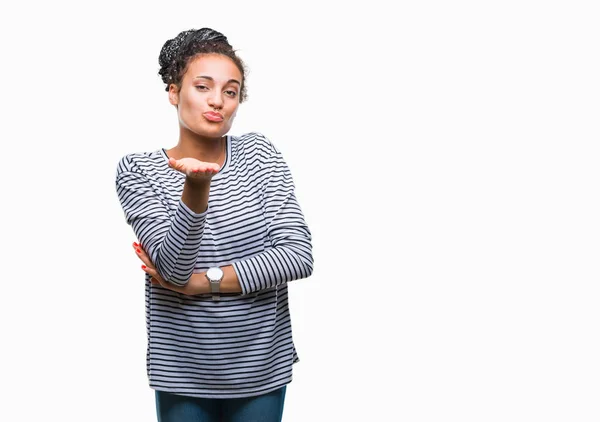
x=176, y=53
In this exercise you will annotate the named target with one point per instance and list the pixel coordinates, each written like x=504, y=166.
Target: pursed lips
x=213, y=116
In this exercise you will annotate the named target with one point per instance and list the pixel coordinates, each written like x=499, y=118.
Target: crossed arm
x=195, y=195
x=198, y=283
x=170, y=259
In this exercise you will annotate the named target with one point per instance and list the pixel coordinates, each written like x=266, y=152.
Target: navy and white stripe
x=242, y=345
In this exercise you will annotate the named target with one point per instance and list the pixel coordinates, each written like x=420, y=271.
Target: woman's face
x=209, y=95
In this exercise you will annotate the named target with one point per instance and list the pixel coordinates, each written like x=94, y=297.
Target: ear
x=173, y=94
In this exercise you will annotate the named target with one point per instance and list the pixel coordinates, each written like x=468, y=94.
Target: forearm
x=229, y=284
x=285, y=266
x=289, y=255
x=195, y=194
x=171, y=239
x=176, y=256
x=263, y=271
x=175, y=252
x=275, y=266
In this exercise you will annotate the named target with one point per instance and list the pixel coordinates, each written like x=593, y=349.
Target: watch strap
x=215, y=289
x=215, y=284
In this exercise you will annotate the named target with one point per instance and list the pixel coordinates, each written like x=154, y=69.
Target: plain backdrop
x=446, y=159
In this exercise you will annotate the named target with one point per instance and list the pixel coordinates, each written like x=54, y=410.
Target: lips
x=213, y=116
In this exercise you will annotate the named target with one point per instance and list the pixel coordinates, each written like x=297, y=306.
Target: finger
x=154, y=281
x=143, y=256
x=145, y=259
x=150, y=270
x=201, y=173
x=212, y=168
x=177, y=165
x=153, y=274
x=137, y=247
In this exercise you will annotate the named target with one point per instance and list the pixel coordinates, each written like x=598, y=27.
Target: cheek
x=188, y=108
x=234, y=112
x=189, y=103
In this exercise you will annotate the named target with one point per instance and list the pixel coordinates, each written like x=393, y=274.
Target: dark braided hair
x=177, y=52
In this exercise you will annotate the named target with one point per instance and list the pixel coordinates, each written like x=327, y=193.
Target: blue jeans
x=265, y=408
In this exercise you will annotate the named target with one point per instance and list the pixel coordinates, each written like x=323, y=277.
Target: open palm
x=194, y=169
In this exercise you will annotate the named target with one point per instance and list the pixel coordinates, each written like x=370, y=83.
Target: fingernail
x=143, y=267
x=135, y=244
x=138, y=251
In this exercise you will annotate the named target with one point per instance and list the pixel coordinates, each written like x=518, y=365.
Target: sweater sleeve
x=290, y=255
x=172, y=243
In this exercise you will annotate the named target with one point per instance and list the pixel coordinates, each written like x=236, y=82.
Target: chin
x=211, y=132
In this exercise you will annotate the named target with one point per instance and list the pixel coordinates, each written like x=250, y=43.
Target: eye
x=231, y=93
x=201, y=87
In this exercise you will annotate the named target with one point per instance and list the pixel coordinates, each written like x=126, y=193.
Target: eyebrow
x=212, y=79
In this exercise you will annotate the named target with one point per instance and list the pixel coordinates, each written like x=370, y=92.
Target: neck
x=210, y=150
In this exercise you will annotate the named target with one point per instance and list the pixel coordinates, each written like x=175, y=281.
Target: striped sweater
x=241, y=345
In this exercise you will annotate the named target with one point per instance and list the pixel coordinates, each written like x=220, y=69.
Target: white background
x=446, y=159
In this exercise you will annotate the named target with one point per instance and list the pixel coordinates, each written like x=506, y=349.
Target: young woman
x=220, y=234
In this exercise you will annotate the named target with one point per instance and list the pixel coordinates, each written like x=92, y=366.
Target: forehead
x=217, y=66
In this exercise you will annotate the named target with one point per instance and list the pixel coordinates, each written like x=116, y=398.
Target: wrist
x=214, y=276
x=204, y=284
x=195, y=195
x=197, y=183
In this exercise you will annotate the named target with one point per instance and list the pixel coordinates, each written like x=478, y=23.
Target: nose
x=216, y=100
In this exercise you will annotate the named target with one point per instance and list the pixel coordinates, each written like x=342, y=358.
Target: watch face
x=214, y=273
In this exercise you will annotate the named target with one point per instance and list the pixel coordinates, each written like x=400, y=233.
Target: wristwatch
x=214, y=276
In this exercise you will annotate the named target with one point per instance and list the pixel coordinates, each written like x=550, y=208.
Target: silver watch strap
x=216, y=275
x=214, y=289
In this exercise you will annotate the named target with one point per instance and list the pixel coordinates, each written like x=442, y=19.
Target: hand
x=194, y=169
x=148, y=266
x=195, y=285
